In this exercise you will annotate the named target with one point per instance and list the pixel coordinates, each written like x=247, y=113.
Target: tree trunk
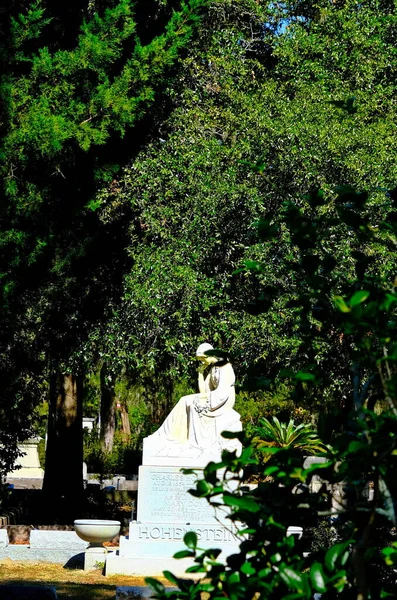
x=160, y=395
x=125, y=421
x=63, y=479
x=108, y=413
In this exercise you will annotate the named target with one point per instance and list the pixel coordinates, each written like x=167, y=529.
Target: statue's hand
x=201, y=368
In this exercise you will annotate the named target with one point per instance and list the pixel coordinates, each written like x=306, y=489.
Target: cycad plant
x=302, y=437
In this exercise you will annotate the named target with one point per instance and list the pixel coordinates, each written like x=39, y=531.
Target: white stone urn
x=96, y=531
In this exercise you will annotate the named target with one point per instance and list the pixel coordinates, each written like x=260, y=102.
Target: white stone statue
x=193, y=428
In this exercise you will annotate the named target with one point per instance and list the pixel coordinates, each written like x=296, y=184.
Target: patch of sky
x=282, y=18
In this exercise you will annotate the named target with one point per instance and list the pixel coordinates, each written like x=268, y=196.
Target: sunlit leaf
x=318, y=578
x=341, y=304
x=358, y=297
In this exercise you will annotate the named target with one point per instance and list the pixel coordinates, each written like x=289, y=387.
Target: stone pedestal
x=166, y=512
x=95, y=557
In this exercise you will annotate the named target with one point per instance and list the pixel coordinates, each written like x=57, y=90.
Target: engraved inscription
x=168, y=532
x=165, y=498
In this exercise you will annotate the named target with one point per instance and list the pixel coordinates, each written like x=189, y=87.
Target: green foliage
x=300, y=437
x=330, y=252
x=75, y=84
x=312, y=231
x=271, y=564
x=41, y=449
x=253, y=404
x=135, y=265
x=40, y=418
x=62, y=103
x=92, y=395
x=134, y=398
x=124, y=458
x=85, y=93
x=194, y=193
x=144, y=415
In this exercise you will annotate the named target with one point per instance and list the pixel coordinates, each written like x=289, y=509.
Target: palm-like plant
x=302, y=437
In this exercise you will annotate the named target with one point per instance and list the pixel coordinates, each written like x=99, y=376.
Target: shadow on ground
x=64, y=591
x=76, y=562
x=70, y=584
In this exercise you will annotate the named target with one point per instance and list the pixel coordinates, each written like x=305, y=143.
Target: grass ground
x=70, y=584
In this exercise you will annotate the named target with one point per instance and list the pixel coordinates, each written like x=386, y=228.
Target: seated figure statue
x=194, y=426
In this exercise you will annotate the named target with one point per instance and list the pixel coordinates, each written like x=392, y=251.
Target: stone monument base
x=148, y=567
x=166, y=512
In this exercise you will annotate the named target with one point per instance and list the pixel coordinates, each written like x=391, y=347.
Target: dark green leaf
x=218, y=353
x=242, y=502
x=248, y=569
x=213, y=553
x=266, y=229
x=155, y=585
x=171, y=577
x=184, y=554
x=335, y=553
x=203, y=488
x=190, y=540
x=316, y=198
x=196, y=569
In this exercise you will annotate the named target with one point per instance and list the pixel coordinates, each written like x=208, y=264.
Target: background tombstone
x=28, y=472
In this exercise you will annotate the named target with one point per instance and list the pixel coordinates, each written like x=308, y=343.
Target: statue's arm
x=221, y=394
x=201, y=382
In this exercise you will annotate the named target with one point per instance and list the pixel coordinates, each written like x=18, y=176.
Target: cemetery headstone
x=28, y=472
x=189, y=437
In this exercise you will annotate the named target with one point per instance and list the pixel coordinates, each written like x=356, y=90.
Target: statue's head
x=200, y=353
x=202, y=349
